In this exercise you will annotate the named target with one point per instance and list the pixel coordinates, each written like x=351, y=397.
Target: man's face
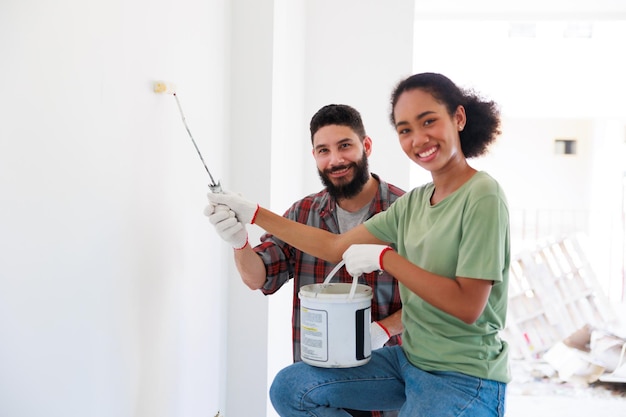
x=341, y=160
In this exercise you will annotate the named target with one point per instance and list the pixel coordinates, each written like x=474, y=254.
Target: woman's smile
x=428, y=153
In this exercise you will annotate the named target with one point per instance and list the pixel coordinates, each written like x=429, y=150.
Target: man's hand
x=244, y=210
x=362, y=259
x=228, y=227
x=379, y=334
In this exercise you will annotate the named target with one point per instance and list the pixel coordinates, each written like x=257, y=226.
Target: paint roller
x=162, y=87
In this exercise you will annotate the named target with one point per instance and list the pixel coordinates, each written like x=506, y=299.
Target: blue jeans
x=387, y=382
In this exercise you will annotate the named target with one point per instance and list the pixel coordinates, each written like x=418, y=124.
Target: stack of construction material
x=556, y=309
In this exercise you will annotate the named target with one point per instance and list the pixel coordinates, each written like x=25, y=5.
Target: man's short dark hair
x=337, y=114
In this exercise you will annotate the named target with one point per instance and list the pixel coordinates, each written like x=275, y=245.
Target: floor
x=532, y=394
x=565, y=406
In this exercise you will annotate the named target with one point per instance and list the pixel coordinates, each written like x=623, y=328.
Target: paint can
x=335, y=323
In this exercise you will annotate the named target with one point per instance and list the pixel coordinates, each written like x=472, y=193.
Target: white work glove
x=364, y=258
x=379, y=334
x=228, y=227
x=244, y=210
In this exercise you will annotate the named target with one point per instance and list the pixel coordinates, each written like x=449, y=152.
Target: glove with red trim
x=379, y=335
x=228, y=227
x=244, y=210
x=363, y=258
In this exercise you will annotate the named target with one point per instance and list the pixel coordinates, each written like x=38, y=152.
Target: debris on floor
x=589, y=354
x=538, y=378
x=563, y=333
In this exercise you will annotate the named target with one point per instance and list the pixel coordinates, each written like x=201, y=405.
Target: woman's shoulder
x=485, y=181
x=420, y=191
x=483, y=184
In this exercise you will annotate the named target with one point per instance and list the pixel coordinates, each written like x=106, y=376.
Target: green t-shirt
x=465, y=235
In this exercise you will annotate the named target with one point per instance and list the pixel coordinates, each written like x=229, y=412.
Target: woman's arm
x=316, y=242
x=463, y=298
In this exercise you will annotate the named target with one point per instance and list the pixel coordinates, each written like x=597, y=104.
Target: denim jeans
x=387, y=382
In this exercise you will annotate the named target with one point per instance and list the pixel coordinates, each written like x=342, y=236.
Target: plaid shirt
x=283, y=261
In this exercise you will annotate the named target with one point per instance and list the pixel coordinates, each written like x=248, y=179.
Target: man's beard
x=352, y=188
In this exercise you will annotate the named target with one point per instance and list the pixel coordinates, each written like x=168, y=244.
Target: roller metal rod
x=213, y=186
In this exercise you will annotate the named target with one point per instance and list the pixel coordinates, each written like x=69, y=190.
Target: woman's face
x=427, y=133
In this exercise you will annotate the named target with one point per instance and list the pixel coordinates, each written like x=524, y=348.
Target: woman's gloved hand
x=364, y=258
x=244, y=210
x=228, y=227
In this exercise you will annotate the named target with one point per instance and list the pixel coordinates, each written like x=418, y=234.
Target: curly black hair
x=483, y=116
x=337, y=114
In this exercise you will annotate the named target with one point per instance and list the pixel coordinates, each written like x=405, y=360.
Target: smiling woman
x=540, y=62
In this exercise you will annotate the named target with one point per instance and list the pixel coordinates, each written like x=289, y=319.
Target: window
x=565, y=146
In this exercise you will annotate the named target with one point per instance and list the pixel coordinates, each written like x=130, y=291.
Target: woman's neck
x=448, y=182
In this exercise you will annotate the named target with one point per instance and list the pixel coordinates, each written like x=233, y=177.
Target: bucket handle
x=355, y=279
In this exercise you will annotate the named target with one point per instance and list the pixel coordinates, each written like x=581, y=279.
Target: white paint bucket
x=335, y=323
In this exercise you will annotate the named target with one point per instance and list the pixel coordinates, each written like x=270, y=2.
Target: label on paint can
x=314, y=327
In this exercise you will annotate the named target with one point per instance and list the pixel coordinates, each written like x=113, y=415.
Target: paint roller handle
x=215, y=188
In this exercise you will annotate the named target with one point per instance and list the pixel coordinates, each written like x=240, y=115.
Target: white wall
x=356, y=52
x=110, y=299
x=248, y=155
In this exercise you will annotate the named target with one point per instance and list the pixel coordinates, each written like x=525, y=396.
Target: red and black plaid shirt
x=283, y=261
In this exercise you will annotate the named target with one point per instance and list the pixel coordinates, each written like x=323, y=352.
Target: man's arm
x=393, y=323
x=250, y=267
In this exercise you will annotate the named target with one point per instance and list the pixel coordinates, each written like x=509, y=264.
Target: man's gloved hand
x=364, y=258
x=244, y=210
x=228, y=227
x=379, y=334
